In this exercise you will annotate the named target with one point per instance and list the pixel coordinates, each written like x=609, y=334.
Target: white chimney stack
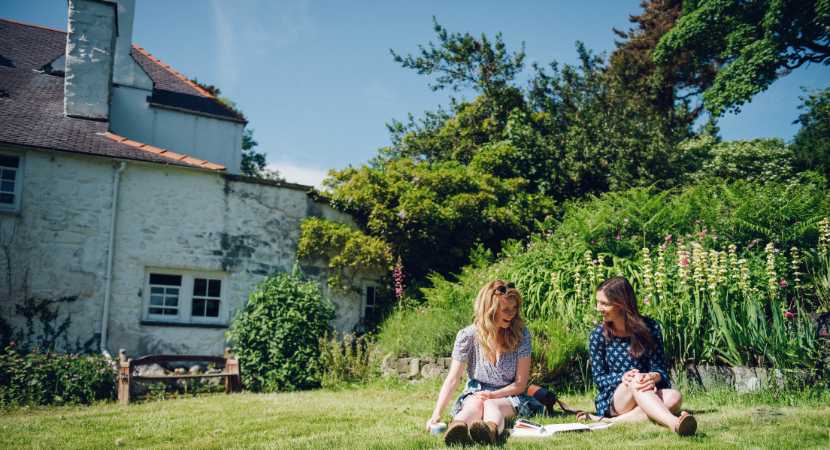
x=90, y=57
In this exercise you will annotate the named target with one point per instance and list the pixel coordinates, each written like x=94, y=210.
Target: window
x=370, y=306
x=185, y=297
x=10, y=182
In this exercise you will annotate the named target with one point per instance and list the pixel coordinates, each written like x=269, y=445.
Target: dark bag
x=548, y=399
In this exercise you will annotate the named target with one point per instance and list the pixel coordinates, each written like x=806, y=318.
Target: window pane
x=212, y=308
x=157, y=300
x=157, y=290
x=171, y=312
x=7, y=186
x=172, y=291
x=156, y=311
x=198, y=307
x=215, y=288
x=167, y=280
x=200, y=287
x=9, y=161
x=8, y=175
x=7, y=199
x=370, y=295
x=171, y=301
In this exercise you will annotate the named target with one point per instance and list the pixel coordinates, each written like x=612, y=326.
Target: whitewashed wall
x=168, y=217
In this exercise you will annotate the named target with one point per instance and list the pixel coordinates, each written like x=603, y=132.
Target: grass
x=388, y=414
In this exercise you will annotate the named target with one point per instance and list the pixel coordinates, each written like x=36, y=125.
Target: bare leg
x=473, y=409
x=652, y=405
x=670, y=398
x=496, y=411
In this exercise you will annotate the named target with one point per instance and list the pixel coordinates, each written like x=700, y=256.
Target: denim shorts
x=523, y=404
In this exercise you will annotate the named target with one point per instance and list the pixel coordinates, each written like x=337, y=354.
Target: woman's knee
x=673, y=400
x=474, y=404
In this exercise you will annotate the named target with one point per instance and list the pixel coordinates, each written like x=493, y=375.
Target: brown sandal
x=686, y=425
x=457, y=434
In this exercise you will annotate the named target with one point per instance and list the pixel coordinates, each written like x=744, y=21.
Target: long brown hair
x=620, y=293
x=487, y=331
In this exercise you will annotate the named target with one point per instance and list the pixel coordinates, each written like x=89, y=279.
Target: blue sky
x=317, y=81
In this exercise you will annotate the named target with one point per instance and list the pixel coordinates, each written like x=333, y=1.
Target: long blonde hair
x=487, y=332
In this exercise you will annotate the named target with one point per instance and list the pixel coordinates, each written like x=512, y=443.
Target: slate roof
x=172, y=89
x=31, y=102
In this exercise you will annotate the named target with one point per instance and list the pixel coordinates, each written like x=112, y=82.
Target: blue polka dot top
x=610, y=361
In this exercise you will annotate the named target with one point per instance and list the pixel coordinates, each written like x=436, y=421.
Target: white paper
x=550, y=430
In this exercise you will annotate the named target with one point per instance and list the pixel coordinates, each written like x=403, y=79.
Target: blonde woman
x=496, y=349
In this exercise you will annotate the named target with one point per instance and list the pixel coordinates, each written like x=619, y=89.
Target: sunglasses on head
x=503, y=289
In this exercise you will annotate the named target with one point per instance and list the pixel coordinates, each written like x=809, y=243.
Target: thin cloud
x=293, y=173
x=247, y=30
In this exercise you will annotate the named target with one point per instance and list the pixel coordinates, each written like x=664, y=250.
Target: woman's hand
x=628, y=377
x=486, y=395
x=433, y=420
x=644, y=382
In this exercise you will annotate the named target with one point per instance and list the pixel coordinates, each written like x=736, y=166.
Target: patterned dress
x=610, y=361
x=484, y=376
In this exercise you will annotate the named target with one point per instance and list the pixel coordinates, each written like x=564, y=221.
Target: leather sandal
x=687, y=425
x=483, y=433
x=457, y=434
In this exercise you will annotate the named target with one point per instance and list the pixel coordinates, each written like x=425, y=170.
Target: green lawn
x=392, y=415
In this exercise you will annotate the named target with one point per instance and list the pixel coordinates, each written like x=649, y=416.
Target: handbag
x=548, y=399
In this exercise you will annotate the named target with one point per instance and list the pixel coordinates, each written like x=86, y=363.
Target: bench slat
x=152, y=359
x=173, y=377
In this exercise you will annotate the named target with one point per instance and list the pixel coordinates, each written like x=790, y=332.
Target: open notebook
x=523, y=429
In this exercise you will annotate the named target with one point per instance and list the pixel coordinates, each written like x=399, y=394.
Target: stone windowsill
x=161, y=323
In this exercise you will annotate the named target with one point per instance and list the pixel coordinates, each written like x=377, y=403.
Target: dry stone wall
x=742, y=379
x=416, y=368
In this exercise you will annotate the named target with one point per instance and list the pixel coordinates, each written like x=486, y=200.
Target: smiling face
x=507, y=310
x=610, y=312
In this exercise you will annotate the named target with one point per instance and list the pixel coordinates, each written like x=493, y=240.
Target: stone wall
x=742, y=379
x=168, y=218
x=416, y=368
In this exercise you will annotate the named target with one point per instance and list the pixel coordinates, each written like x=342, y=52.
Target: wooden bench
x=233, y=379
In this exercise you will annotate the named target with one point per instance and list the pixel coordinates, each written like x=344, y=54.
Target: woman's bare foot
x=583, y=416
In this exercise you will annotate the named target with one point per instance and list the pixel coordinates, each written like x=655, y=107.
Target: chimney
x=127, y=72
x=90, y=55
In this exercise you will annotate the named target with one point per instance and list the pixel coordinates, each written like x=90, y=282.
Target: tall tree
x=812, y=142
x=649, y=83
x=753, y=41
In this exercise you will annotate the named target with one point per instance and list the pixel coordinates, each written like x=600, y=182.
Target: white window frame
x=18, y=182
x=185, y=315
x=363, y=306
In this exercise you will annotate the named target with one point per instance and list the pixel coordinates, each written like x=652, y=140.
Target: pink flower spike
x=783, y=283
x=618, y=237
x=750, y=245
x=625, y=220
x=574, y=234
x=776, y=250
x=788, y=315
x=569, y=329
x=824, y=334
x=595, y=321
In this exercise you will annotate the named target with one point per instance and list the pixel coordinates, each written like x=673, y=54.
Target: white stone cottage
x=98, y=200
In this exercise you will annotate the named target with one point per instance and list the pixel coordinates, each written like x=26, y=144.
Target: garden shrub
x=352, y=360
x=276, y=336
x=52, y=378
x=430, y=330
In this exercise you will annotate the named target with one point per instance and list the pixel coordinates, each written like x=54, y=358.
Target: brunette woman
x=629, y=365
x=496, y=349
